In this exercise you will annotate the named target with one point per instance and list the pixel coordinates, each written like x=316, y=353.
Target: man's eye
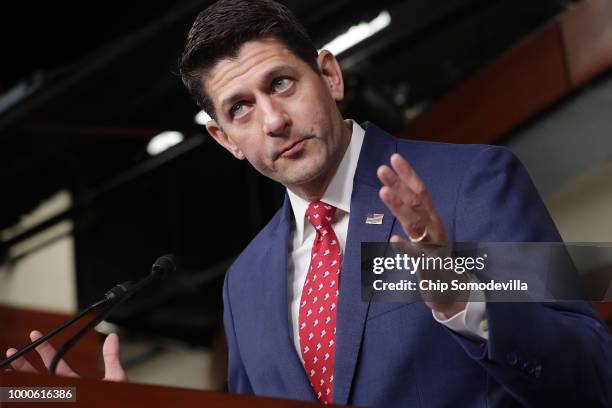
x=237, y=109
x=280, y=84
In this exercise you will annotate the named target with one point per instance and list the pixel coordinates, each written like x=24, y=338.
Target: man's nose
x=275, y=119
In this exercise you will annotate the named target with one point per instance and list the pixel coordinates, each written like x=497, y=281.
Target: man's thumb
x=112, y=365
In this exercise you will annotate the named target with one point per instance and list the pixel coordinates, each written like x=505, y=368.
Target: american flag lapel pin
x=374, y=218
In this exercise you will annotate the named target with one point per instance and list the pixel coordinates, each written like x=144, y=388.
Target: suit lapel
x=290, y=368
x=352, y=310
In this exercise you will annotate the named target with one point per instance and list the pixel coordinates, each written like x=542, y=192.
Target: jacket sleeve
x=544, y=354
x=238, y=381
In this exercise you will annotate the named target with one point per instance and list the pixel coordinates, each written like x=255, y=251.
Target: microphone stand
x=120, y=293
x=162, y=266
x=113, y=296
x=74, y=339
x=67, y=323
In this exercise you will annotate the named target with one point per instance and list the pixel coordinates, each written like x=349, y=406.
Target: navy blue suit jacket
x=396, y=354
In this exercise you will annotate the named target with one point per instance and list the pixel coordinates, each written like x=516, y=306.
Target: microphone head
x=164, y=265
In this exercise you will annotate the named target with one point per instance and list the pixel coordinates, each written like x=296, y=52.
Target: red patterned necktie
x=317, y=317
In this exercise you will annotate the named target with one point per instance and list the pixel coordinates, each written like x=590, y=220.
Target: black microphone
x=163, y=266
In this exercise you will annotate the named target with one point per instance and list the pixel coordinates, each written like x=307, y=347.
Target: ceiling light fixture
x=164, y=141
x=201, y=118
x=358, y=33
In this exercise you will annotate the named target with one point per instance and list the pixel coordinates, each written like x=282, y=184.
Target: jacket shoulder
x=447, y=165
x=439, y=155
x=449, y=152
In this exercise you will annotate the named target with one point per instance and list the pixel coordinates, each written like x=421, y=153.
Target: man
x=295, y=322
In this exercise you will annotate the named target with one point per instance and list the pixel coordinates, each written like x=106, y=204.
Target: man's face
x=276, y=112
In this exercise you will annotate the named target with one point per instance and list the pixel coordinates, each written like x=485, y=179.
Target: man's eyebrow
x=265, y=80
x=231, y=99
x=277, y=71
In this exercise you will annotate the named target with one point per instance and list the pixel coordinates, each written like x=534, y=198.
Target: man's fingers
x=387, y=176
x=406, y=196
x=396, y=204
x=406, y=173
x=412, y=218
x=112, y=364
x=392, y=199
x=396, y=239
x=21, y=364
x=47, y=352
x=401, y=187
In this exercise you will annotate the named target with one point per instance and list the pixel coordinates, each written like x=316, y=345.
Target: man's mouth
x=293, y=149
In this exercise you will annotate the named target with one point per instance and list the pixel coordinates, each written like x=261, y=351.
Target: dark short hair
x=222, y=28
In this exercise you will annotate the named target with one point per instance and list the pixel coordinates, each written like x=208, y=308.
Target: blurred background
x=106, y=164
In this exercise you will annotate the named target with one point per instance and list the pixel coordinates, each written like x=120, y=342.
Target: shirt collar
x=340, y=188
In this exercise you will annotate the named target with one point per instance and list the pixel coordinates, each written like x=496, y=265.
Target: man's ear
x=332, y=74
x=223, y=139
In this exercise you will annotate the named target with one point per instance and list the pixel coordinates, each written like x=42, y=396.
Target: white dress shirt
x=468, y=322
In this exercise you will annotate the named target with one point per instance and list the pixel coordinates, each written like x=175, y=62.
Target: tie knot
x=319, y=213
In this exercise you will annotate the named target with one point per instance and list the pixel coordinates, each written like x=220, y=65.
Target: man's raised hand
x=406, y=195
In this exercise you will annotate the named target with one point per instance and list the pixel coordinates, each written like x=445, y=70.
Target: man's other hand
x=406, y=195
x=110, y=350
